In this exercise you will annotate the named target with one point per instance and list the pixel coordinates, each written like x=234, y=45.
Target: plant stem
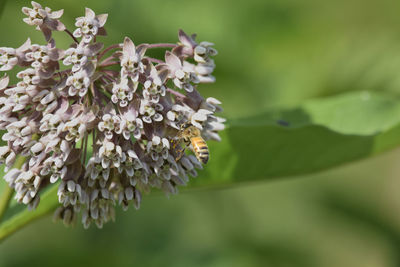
x=5, y=200
x=72, y=36
x=48, y=204
x=109, y=59
x=155, y=60
x=8, y=191
x=63, y=72
x=102, y=53
x=112, y=63
x=177, y=94
x=85, y=149
x=108, y=76
x=161, y=45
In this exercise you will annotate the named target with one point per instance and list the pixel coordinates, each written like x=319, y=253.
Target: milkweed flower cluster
x=98, y=126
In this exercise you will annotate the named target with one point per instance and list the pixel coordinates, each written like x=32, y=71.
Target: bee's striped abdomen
x=200, y=149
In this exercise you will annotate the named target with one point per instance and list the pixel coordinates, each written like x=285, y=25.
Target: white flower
x=100, y=208
x=18, y=133
x=128, y=194
x=203, y=51
x=158, y=147
x=111, y=155
x=178, y=115
x=154, y=86
x=131, y=60
x=110, y=123
x=182, y=73
x=131, y=124
x=18, y=99
x=51, y=123
x=96, y=173
x=150, y=111
x=78, y=84
x=198, y=118
x=75, y=129
x=130, y=165
x=38, y=16
x=30, y=80
x=54, y=166
x=90, y=25
x=8, y=58
x=26, y=186
x=79, y=56
x=123, y=92
x=7, y=156
x=70, y=193
x=67, y=214
x=204, y=70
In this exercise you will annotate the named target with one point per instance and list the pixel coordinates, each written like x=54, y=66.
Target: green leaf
x=47, y=204
x=2, y=183
x=316, y=136
x=2, y=6
x=319, y=135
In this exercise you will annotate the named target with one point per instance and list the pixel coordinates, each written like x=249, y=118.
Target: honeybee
x=190, y=135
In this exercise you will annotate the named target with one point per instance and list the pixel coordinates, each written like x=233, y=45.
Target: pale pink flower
x=103, y=124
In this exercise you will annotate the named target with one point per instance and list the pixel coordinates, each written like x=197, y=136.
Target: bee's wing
x=178, y=149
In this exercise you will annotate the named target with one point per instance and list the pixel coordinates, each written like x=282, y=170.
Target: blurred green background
x=272, y=54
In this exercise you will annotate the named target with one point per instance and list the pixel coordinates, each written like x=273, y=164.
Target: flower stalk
x=162, y=45
x=8, y=192
x=5, y=199
x=72, y=36
x=111, y=47
x=20, y=220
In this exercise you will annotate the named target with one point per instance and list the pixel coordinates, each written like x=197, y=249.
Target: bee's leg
x=175, y=149
x=180, y=153
x=174, y=144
